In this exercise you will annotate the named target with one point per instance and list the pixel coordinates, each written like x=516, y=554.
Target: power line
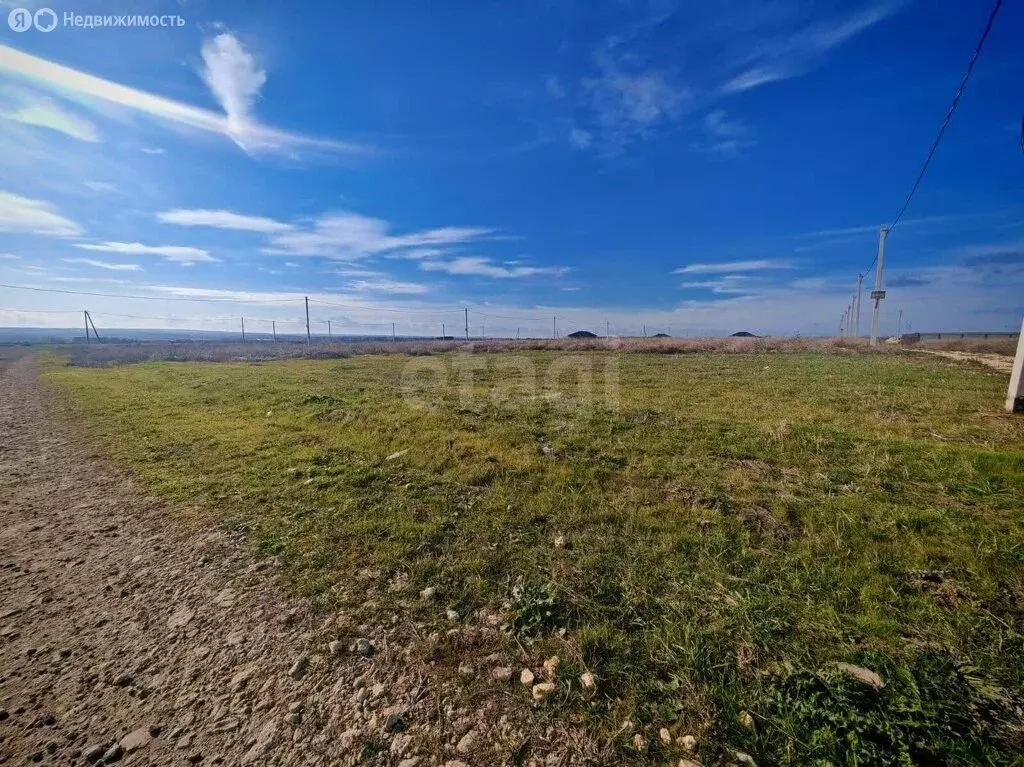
x=949, y=113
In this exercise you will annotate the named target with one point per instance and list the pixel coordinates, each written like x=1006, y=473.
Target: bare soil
x=999, y=362
x=126, y=635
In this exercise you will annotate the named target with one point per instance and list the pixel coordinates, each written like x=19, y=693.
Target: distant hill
x=661, y=335
x=582, y=334
x=744, y=334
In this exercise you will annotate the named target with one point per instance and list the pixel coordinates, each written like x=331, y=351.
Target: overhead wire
x=950, y=111
x=945, y=123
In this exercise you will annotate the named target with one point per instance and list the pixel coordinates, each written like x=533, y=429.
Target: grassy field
x=733, y=526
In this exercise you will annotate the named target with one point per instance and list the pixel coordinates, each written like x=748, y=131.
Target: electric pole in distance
x=878, y=294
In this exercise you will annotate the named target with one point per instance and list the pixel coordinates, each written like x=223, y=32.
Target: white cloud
x=232, y=75
x=104, y=264
x=390, y=286
x=351, y=236
x=178, y=254
x=581, y=139
x=791, y=55
x=100, y=186
x=726, y=136
x=484, y=267
x=554, y=87
x=251, y=135
x=418, y=253
x=29, y=108
x=730, y=283
x=152, y=150
x=25, y=215
x=628, y=105
x=734, y=266
x=9, y=257
x=223, y=219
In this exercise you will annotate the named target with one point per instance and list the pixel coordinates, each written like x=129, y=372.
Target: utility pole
x=309, y=338
x=273, y=329
x=443, y=334
x=328, y=330
x=899, y=324
x=243, y=330
x=607, y=329
x=85, y=319
x=1015, y=394
x=860, y=283
x=517, y=334
x=467, y=323
x=878, y=294
x=89, y=318
x=554, y=327
x=645, y=330
x=393, y=338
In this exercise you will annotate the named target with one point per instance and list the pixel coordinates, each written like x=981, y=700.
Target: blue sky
x=697, y=167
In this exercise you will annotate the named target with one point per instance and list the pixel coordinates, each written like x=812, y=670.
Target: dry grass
x=99, y=355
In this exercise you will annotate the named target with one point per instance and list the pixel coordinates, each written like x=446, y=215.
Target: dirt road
x=125, y=637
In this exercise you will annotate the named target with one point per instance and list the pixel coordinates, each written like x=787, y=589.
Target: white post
x=878, y=294
x=1015, y=394
x=860, y=283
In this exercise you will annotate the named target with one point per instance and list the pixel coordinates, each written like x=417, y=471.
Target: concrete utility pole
x=85, y=319
x=607, y=329
x=393, y=337
x=328, y=330
x=1015, y=394
x=443, y=334
x=899, y=324
x=243, y=330
x=273, y=329
x=94, y=333
x=554, y=327
x=860, y=290
x=309, y=337
x=878, y=294
x=467, y=323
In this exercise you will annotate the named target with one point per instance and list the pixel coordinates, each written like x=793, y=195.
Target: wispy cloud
x=185, y=256
x=729, y=284
x=9, y=257
x=350, y=236
x=734, y=266
x=235, y=78
x=629, y=103
x=223, y=219
x=28, y=216
x=29, y=108
x=794, y=54
x=99, y=186
x=104, y=264
x=726, y=136
x=580, y=139
x=390, y=286
x=418, y=253
x=484, y=267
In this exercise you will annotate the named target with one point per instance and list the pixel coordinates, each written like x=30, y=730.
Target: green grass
x=735, y=523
